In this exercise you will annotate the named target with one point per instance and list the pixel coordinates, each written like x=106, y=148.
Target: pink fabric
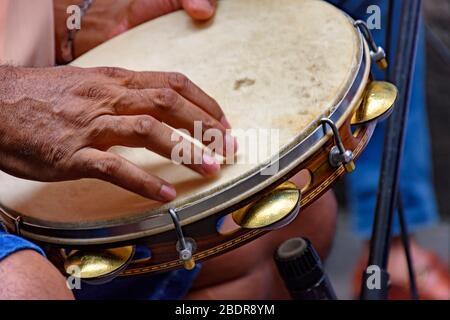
x=27, y=33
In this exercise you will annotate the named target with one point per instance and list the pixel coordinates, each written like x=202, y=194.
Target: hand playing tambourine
x=106, y=19
x=59, y=123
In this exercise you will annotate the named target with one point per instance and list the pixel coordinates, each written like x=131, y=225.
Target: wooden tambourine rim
x=164, y=255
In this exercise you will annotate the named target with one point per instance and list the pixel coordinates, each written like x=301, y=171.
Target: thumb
x=199, y=9
x=141, y=11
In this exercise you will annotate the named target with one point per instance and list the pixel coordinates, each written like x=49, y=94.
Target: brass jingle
x=271, y=208
x=98, y=266
x=377, y=103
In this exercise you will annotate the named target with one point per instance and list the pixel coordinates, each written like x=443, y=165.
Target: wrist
x=64, y=34
x=8, y=76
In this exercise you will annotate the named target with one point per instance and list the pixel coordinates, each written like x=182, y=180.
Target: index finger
x=107, y=166
x=185, y=87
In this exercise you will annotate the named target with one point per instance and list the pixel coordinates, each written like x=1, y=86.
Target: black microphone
x=302, y=271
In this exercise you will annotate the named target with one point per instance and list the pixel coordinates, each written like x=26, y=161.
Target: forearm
x=26, y=32
x=60, y=28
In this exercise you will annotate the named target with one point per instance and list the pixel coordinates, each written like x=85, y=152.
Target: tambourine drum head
x=270, y=65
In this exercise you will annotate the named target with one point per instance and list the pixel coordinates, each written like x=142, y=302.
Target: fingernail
x=231, y=144
x=210, y=164
x=201, y=9
x=167, y=193
x=206, y=5
x=225, y=123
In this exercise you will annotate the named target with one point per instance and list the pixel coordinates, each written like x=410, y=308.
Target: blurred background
x=437, y=18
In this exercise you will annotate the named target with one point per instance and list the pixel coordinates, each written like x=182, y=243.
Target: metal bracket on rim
x=338, y=154
x=377, y=53
x=17, y=225
x=185, y=246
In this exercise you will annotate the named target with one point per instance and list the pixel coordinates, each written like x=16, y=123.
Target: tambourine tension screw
x=377, y=53
x=17, y=225
x=338, y=154
x=184, y=246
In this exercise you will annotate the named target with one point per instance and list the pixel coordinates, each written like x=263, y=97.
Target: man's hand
x=107, y=19
x=58, y=123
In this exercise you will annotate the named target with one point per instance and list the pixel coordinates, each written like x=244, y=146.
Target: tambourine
x=299, y=69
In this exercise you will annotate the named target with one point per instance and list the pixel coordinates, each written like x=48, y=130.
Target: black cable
x=407, y=247
x=403, y=226
x=401, y=212
x=400, y=74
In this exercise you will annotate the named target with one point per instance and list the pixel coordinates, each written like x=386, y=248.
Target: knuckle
x=104, y=167
x=112, y=72
x=120, y=102
x=144, y=126
x=94, y=91
x=95, y=131
x=178, y=81
x=55, y=154
x=166, y=98
x=208, y=123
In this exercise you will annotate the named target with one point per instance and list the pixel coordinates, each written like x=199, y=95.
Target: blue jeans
x=416, y=183
x=10, y=244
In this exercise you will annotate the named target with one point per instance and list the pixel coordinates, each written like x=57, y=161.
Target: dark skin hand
x=58, y=123
x=107, y=19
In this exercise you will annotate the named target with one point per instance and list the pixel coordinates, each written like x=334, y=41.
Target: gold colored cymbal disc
x=377, y=103
x=98, y=263
x=270, y=209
